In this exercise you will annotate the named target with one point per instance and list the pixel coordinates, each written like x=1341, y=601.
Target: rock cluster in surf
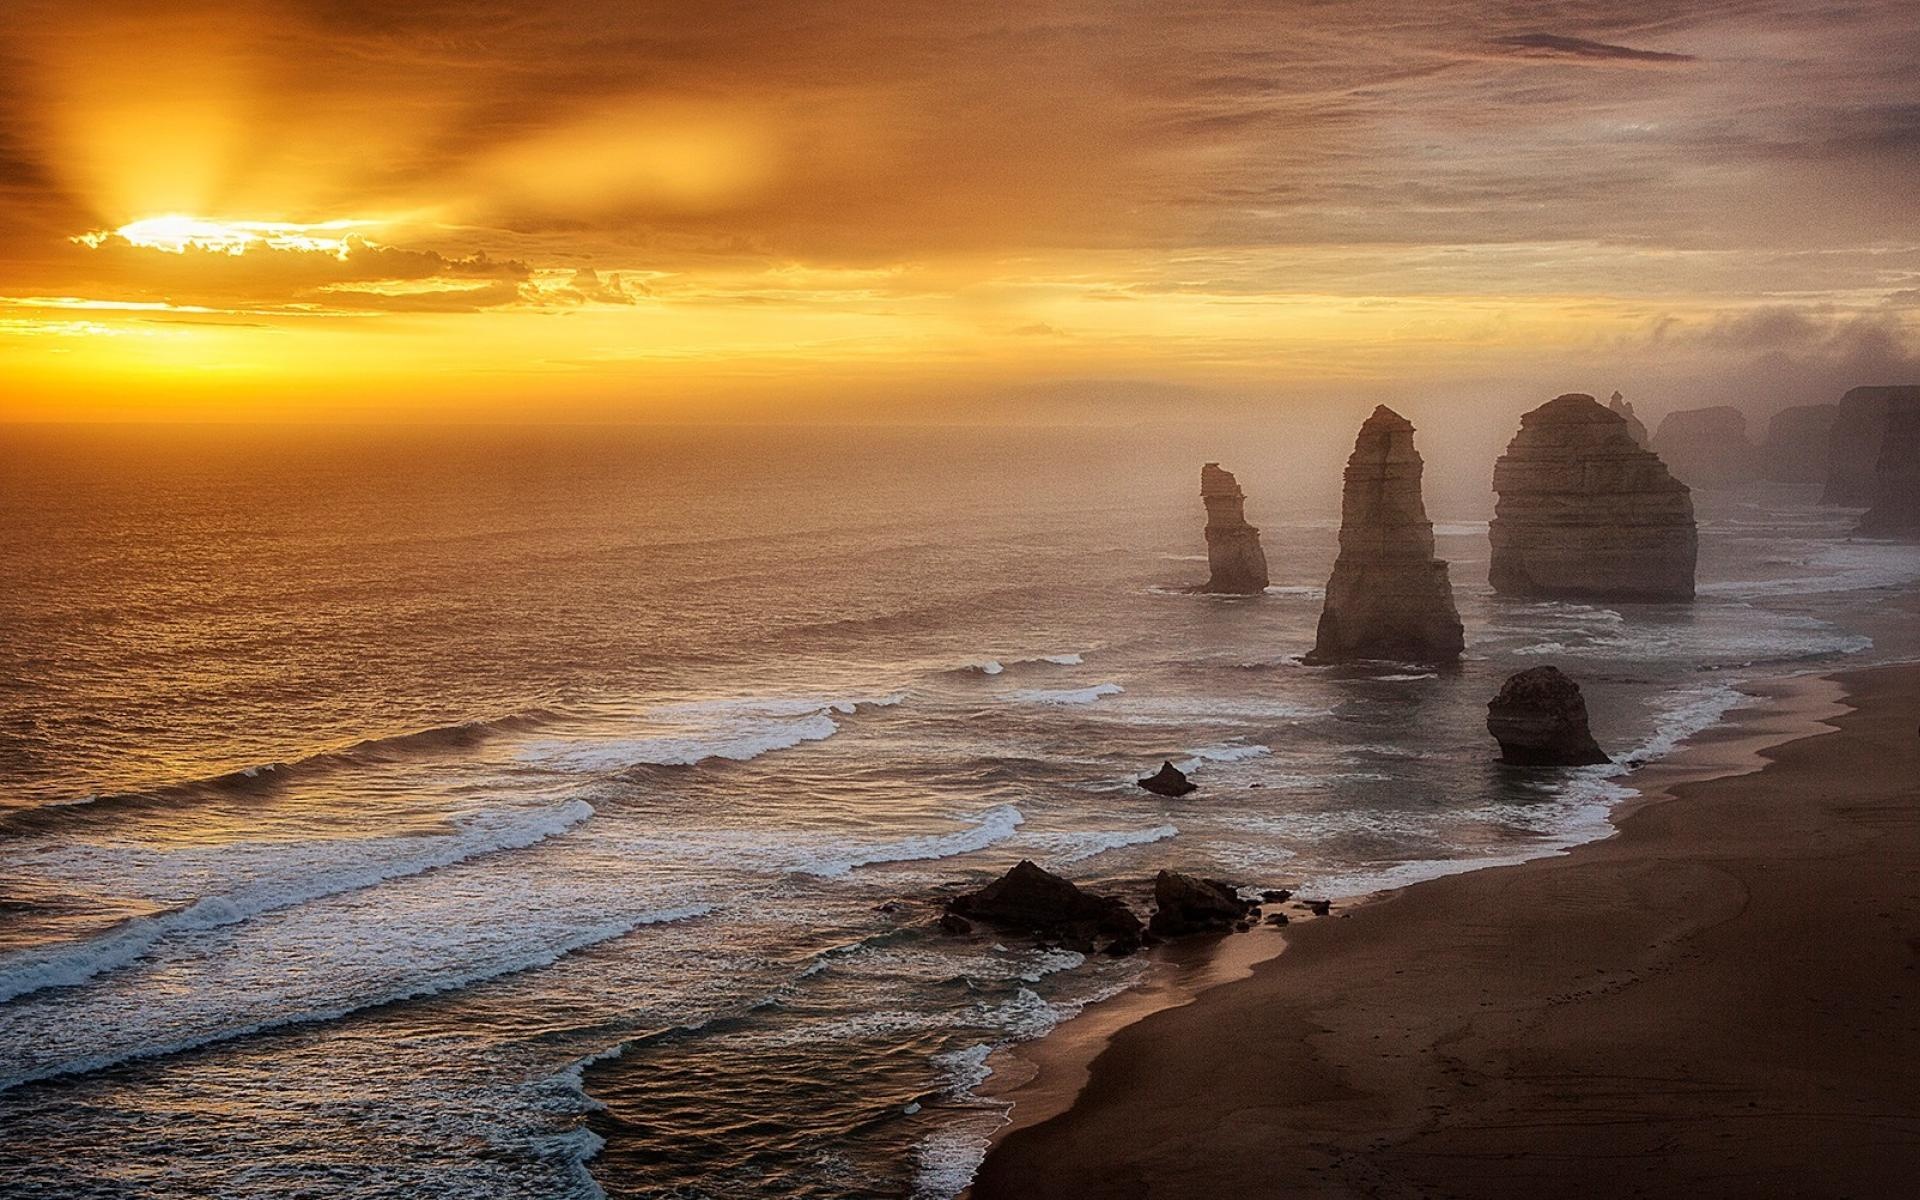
x=1540, y=720
x=1185, y=904
x=1236, y=565
x=1585, y=513
x=1032, y=900
x=1706, y=447
x=1854, y=443
x=1389, y=597
x=1623, y=409
x=1896, y=478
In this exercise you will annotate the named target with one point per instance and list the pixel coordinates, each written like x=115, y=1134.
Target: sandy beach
x=1718, y=1001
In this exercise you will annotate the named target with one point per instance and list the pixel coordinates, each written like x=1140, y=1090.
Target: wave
x=1219, y=754
x=71, y=963
x=1064, y=849
x=426, y=987
x=997, y=824
x=1085, y=695
x=267, y=776
x=691, y=733
x=996, y=666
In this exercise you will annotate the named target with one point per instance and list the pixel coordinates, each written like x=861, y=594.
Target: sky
x=608, y=210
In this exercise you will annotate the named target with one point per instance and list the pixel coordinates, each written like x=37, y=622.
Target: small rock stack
x=1540, y=720
x=1389, y=597
x=1236, y=564
x=1623, y=408
x=1585, y=514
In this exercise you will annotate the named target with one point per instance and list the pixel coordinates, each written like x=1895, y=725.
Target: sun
x=176, y=233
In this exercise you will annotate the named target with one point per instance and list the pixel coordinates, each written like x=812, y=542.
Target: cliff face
x=1388, y=597
x=1584, y=513
x=1706, y=447
x=1235, y=563
x=1623, y=409
x=1796, y=447
x=1853, y=445
x=1896, y=479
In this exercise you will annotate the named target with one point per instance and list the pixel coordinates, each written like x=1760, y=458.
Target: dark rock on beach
x=1185, y=904
x=1028, y=899
x=1169, y=780
x=1540, y=720
x=1236, y=564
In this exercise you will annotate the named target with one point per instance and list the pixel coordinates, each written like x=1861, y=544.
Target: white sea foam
x=1196, y=759
x=997, y=824
x=1064, y=848
x=1085, y=695
x=426, y=986
x=314, y=871
x=694, y=732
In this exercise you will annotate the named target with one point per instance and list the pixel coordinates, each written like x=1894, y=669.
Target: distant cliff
x=1853, y=444
x=1706, y=447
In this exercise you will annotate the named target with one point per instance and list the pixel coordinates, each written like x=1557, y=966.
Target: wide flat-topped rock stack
x=1389, y=597
x=1896, y=479
x=1853, y=443
x=1706, y=447
x=1236, y=564
x=1585, y=513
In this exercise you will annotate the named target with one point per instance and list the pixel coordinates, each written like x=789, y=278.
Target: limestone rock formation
x=1795, y=450
x=1169, y=780
x=1540, y=720
x=1706, y=447
x=1853, y=445
x=1388, y=596
x=1623, y=409
x=1235, y=563
x=1585, y=514
x=1031, y=900
x=1185, y=904
x=1896, y=479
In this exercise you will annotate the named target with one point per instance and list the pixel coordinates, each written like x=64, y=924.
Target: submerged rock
x=1185, y=904
x=1036, y=901
x=1540, y=720
x=1169, y=780
x=1389, y=596
x=1236, y=564
x=1706, y=447
x=1585, y=514
x=1624, y=410
x=1896, y=480
x=1795, y=449
x=1854, y=443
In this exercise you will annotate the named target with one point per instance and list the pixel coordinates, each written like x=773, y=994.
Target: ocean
x=561, y=814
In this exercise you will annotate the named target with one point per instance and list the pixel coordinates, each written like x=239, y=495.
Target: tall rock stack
x=1235, y=563
x=1389, y=596
x=1706, y=447
x=1623, y=408
x=1795, y=450
x=1585, y=514
x=1896, y=478
x=1853, y=446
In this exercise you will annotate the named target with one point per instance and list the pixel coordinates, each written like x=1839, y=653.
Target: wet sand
x=1721, y=1000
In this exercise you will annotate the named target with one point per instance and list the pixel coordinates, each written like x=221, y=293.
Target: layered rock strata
x=1585, y=514
x=1389, y=597
x=1706, y=447
x=1236, y=564
x=1896, y=480
x=1795, y=449
x=1540, y=720
x=1853, y=444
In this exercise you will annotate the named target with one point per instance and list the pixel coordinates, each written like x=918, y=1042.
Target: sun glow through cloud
x=176, y=234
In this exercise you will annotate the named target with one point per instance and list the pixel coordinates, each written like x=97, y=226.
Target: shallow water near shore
x=533, y=831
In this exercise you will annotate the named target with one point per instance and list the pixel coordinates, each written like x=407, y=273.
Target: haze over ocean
x=543, y=815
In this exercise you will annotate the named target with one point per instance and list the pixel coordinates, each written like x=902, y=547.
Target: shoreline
x=1045, y=1080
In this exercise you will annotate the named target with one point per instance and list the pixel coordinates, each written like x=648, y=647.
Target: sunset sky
x=610, y=210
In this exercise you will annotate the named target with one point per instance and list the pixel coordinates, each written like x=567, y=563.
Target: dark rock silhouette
x=1853, y=445
x=1031, y=900
x=1585, y=514
x=1795, y=449
x=1624, y=410
x=1236, y=564
x=1540, y=720
x=1388, y=596
x=1185, y=904
x=1169, y=780
x=1706, y=447
x=1896, y=480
